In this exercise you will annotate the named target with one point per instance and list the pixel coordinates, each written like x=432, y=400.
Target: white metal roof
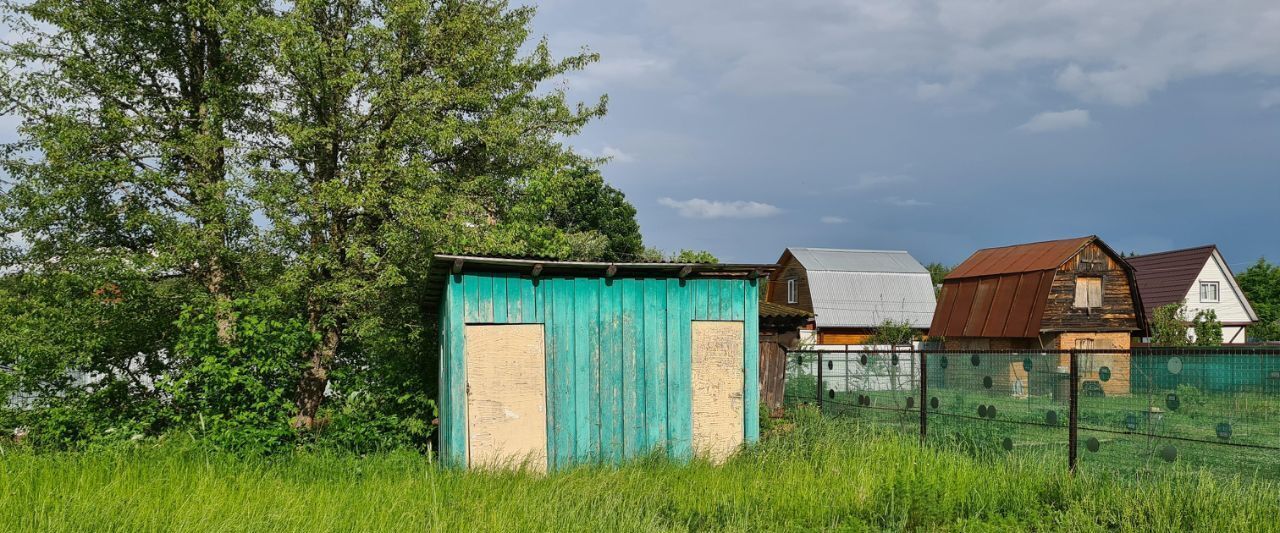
x=857, y=260
x=863, y=288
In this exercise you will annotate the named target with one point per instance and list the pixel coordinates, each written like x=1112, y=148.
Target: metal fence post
x=924, y=392
x=1073, y=412
x=818, y=389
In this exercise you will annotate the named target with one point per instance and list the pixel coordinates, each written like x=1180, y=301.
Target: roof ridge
x=859, y=250
x=1085, y=237
x=1179, y=250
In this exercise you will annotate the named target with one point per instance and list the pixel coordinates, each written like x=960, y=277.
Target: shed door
x=717, y=388
x=506, y=396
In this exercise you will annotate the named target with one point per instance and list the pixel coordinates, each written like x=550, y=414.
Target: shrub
x=238, y=393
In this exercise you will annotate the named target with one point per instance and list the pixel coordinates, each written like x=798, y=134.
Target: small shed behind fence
x=555, y=363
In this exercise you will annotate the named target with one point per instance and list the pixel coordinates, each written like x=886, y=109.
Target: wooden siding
x=845, y=335
x=776, y=292
x=1117, y=312
x=618, y=357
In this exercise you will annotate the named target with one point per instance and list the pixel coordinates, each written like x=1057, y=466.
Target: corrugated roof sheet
x=1029, y=257
x=776, y=310
x=857, y=260
x=867, y=299
x=1166, y=277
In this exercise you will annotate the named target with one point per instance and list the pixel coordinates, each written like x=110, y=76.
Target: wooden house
x=1066, y=294
x=556, y=363
x=852, y=292
x=1200, y=278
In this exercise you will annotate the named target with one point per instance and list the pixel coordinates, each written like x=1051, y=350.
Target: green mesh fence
x=1136, y=412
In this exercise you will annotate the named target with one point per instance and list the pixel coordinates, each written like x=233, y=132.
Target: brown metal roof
x=1166, y=277
x=1002, y=292
x=1030, y=257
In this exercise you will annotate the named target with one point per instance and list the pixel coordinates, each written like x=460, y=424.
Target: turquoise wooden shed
x=551, y=363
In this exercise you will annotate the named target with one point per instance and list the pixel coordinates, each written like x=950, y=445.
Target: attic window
x=1092, y=260
x=1088, y=293
x=1209, y=291
x=791, y=291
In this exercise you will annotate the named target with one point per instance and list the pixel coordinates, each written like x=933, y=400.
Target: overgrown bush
x=238, y=393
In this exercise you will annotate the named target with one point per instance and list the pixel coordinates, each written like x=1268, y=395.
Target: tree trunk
x=316, y=378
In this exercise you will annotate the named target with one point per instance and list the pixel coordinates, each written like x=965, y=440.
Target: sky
x=743, y=127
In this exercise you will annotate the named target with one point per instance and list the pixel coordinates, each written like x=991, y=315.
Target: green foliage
x=694, y=256
x=1207, y=327
x=1169, y=325
x=238, y=394
x=1261, y=285
x=283, y=172
x=894, y=333
x=683, y=256
x=938, y=272
x=1191, y=396
x=76, y=353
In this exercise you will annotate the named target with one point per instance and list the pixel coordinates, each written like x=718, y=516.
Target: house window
x=791, y=291
x=1209, y=291
x=1088, y=293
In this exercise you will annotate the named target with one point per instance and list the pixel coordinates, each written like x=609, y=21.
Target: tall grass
x=819, y=475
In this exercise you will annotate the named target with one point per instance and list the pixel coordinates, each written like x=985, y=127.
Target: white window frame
x=1217, y=292
x=793, y=293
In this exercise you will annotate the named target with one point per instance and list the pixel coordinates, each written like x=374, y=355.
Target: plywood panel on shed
x=717, y=387
x=506, y=395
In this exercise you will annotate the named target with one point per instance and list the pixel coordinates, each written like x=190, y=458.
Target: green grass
x=1253, y=417
x=820, y=474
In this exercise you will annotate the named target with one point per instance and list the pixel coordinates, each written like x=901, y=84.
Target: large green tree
x=1261, y=284
x=255, y=165
x=400, y=127
x=133, y=114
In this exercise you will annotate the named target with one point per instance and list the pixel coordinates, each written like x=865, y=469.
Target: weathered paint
x=618, y=358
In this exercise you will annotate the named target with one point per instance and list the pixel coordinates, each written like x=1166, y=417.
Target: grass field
x=812, y=473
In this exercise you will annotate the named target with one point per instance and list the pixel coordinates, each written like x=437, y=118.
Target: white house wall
x=1230, y=306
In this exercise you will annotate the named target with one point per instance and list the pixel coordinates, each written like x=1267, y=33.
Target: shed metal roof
x=443, y=264
x=863, y=288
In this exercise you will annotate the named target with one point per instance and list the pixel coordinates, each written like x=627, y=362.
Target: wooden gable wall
x=1118, y=312
x=777, y=290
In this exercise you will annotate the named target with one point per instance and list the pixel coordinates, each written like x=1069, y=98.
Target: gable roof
x=1166, y=277
x=1018, y=258
x=1002, y=292
x=863, y=288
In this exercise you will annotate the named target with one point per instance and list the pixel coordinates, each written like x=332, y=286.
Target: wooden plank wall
x=618, y=358
x=1117, y=313
x=773, y=370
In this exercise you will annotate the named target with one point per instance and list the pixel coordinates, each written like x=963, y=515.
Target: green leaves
x=282, y=173
x=1261, y=285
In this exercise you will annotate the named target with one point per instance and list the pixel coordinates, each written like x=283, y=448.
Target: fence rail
x=1133, y=411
